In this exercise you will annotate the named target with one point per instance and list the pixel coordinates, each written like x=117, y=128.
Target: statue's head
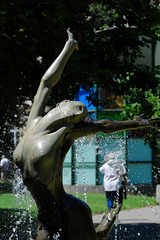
x=75, y=111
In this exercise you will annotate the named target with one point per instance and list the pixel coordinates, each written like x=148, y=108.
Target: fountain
x=41, y=153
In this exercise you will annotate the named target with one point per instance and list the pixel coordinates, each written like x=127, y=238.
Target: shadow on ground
x=17, y=224
x=6, y=187
x=141, y=231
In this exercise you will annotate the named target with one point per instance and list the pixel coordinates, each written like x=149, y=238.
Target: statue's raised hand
x=146, y=122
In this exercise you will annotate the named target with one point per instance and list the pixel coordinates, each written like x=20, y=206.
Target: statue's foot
x=41, y=233
x=107, y=222
x=71, y=38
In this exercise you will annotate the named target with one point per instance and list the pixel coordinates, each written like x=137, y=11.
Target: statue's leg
x=78, y=219
x=50, y=220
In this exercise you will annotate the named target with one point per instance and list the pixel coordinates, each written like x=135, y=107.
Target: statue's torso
x=41, y=155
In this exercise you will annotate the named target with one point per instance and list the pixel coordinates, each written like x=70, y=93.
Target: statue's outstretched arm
x=50, y=78
x=110, y=126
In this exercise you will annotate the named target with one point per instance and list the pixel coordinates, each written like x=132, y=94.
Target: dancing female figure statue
x=42, y=150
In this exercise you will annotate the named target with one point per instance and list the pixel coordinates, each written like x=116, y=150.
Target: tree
x=30, y=31
x=108, y=36
x=121, y=31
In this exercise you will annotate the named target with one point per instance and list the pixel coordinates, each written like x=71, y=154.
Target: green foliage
x=138, y=102
x=143, y=102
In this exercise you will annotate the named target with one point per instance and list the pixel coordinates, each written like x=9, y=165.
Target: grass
x=18, y=202
x=10, y=200
x=97, y=202
x=133, y=201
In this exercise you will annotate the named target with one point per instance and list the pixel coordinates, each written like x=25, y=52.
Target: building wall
x=147, y=52
x=157, y=55
x=139, y=161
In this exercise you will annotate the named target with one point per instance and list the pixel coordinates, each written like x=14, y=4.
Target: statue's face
x=75, y=111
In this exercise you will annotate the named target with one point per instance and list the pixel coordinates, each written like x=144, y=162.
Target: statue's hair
x=62, y=102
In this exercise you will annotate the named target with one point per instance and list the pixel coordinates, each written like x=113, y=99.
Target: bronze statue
x=42, y=150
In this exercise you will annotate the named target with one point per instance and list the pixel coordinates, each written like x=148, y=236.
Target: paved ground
x=142, y=224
